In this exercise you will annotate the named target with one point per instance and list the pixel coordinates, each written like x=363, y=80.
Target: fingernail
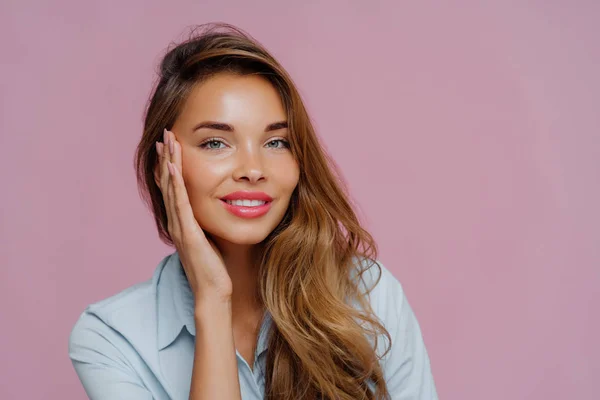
x=165, y=136
x=172, y=145
x=158, y=148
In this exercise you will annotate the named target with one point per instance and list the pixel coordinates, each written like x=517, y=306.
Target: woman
x=273, y=278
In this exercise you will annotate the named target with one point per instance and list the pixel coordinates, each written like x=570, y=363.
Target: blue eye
x=212, y=144
x=283, y=143
x=217, y=144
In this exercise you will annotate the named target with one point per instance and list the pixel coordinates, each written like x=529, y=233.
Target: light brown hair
x=318, y=346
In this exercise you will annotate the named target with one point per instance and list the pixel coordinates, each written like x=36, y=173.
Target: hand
x=202, y=262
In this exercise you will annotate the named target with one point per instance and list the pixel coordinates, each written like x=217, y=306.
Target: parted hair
x=320, y=345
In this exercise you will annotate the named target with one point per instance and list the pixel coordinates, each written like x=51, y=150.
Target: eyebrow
x=219, y=126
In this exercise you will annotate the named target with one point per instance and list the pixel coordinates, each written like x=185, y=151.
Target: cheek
x=288, y=175
x=200, y=180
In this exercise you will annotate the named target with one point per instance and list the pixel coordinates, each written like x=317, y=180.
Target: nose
x=249, y=166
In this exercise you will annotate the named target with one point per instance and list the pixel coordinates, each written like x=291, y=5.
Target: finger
x=183, y=208
x=177, y=155
x=175, y=229
x=165, y=158
x=173, y=225
x=174, y=149
x=176, y=160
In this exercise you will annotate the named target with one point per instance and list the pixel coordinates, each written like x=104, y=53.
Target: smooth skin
x=231, y=135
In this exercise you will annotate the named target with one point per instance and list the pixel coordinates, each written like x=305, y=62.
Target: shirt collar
x=175, y=305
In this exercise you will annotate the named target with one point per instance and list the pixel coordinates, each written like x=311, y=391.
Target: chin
x=241, y=235
x=222, y=226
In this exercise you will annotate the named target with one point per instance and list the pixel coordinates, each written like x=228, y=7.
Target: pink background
x=469, y=135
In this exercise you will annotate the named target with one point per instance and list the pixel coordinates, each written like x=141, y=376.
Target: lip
x=247, y=212
x=248, y=195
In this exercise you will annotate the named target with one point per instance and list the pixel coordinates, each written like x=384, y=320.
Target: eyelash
x=205, y=144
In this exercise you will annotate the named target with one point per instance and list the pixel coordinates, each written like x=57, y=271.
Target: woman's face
x=234, y=138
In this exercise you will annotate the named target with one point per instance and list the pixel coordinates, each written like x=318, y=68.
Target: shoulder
x=376, y=281
x=106, y=308
x=95, y=326
x=386, y=297
x=108, y=324
x=131, y=295
x=406, y=362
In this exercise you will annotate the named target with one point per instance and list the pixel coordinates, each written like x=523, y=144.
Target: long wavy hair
x=320, y=345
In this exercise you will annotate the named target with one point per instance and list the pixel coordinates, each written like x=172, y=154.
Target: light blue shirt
x=139, y=343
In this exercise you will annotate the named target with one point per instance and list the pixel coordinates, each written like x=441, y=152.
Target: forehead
x=239, y=100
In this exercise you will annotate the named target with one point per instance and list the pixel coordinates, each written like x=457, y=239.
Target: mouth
x=245, y=208
x=246, y=203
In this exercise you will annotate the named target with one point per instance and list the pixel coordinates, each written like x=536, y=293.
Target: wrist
x=207, y=307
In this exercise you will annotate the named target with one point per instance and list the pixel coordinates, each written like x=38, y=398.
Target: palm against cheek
x=201, y=260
